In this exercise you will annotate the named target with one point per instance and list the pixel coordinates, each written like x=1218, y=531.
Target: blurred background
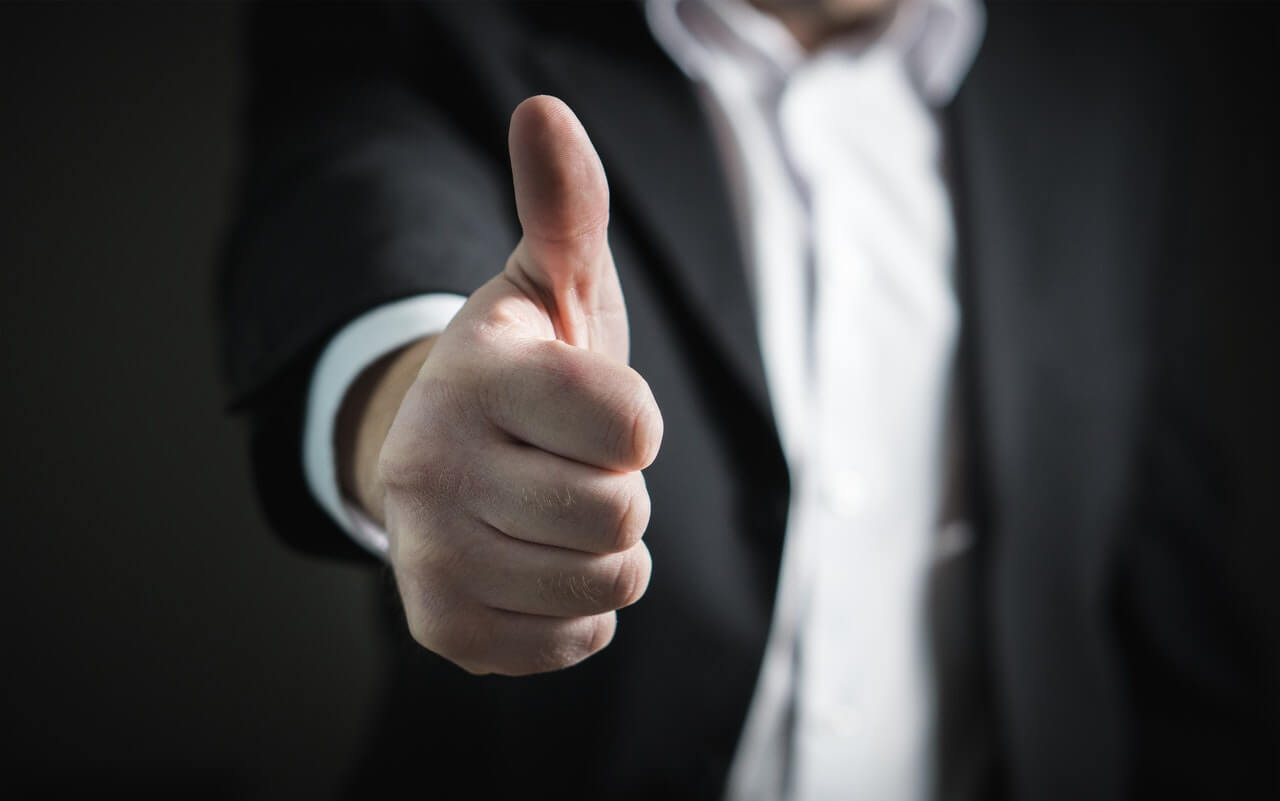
x=153, y=629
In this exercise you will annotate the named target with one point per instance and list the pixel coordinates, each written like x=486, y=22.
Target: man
x=777, y=217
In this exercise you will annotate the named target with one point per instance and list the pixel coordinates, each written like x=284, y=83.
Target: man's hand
x=509, y=479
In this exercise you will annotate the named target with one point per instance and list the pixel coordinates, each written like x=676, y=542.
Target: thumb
x=562, y=198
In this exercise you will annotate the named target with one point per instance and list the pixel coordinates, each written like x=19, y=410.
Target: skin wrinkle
x=573, y=320
x=494, y=329
x=603, y=318
x=570, y=316
x=636, y=432
x=567, y=585
x=620, y=535
x=555, y=499
x=582, y=588
x=624, y=585
x=524, y=284
x=574, y=309
x=514, y=308
x=502, y=395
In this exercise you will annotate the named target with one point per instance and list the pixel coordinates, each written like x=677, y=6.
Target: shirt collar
x=938, y=40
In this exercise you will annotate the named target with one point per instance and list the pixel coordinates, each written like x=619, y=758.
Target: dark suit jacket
x=1114, y=631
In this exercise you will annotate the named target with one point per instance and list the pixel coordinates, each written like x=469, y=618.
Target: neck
x=813, y=23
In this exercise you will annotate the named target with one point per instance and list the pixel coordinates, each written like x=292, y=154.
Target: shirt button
x=846, y=492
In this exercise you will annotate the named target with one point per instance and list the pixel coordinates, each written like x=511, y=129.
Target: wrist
x=367, y=412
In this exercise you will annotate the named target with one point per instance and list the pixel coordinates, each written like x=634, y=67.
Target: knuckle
x=600, y=633
x=416, y=465
x=620, y=428
x=556, y=653
x=637, y=428
x=442, y=616
x=618, y=522
x=647, y=428
x=438, y=485
x=574, y=642
x=553, y=503
x=629, y=515
x=445, y=418
x=569, y=590
x=631, y=577
x=493, y=329
x=426, y=554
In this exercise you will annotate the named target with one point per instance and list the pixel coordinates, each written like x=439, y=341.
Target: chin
x=835, y=9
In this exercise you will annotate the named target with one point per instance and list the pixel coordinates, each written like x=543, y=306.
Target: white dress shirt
x=834, y=164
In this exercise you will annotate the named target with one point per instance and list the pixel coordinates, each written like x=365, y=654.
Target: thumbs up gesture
x=509, y=479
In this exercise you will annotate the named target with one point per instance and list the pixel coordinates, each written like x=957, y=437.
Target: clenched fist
x=509, y=480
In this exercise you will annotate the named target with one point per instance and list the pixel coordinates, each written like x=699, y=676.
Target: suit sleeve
x=371, y=173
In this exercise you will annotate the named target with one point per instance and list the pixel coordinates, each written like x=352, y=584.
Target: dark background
x=154, y=632
x=157, y=639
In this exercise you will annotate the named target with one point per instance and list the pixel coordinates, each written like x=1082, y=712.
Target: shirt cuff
x=358, y=345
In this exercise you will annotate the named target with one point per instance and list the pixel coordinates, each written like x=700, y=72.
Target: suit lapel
x=1059, y=200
